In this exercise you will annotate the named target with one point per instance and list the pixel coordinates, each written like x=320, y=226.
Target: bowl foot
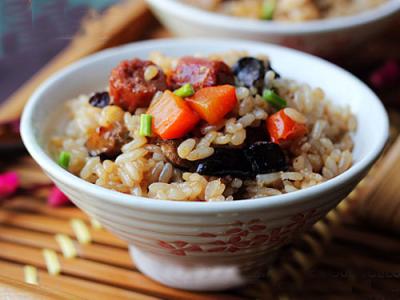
x=183, y=273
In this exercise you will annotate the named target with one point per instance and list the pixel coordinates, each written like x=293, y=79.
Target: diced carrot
x=172, y=116
x=213, y=103
x=282, y=128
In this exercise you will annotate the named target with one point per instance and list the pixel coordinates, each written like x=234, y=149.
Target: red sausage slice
x=200, y=72
x=130, y=89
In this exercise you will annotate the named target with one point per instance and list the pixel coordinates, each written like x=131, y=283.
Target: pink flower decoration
x=9, y=183
x=57, y=198
x=386, y=75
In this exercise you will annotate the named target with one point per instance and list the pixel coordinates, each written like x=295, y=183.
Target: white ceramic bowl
x=321, y=37
x=205, y=246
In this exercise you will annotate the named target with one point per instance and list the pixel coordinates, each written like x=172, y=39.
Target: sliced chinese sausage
x=107, y=141
x=133, y=83
x=200, y=72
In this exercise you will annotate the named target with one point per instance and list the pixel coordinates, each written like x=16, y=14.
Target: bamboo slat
x=96, y=252
x=366, y=238
x=15, y=289
x=53, y=226
x=25, y=204
x=74, y=287
x=99, y=272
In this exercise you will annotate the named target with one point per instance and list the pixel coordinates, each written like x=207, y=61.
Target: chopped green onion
x=64, y=159
x=268, y=9
x=185, y=90
x=145, y=125
x=271, y=97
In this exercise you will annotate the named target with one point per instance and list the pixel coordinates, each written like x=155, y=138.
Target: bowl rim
x=190, y=207
x=197, y=15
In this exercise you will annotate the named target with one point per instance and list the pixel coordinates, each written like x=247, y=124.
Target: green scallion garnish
x=145, y=125
x=64, y=159
x=268, y=9
x=271, y=97
x=185, y=90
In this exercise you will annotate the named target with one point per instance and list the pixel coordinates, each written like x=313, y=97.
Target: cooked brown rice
x=143, y=170
x=289, y=10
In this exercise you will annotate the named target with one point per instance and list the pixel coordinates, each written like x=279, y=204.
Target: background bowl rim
x=213, y=19
x=189, y=207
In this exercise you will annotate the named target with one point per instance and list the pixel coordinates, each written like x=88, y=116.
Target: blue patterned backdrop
x=33, y=31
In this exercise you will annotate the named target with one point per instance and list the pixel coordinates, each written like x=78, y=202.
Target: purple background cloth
x=32, y=32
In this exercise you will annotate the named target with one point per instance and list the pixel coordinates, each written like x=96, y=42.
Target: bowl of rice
x=322, y=27
x=206, y=156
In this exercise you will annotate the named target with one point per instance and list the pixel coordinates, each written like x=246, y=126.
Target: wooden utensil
x=119, y=24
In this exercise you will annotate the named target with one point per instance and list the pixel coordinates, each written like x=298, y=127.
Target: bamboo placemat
x=339, y=256
x=103, y=268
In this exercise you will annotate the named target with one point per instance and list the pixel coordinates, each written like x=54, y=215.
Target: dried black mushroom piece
x=225, y=161
x=258, y=158
x=256, y=134
x=250, y=72
x=266, y=157
x=100, y=99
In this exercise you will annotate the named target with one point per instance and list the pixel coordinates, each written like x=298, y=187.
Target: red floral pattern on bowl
x=244, y=235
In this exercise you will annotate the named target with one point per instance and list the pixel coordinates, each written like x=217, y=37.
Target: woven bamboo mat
x=340, y=257
x=345, y=249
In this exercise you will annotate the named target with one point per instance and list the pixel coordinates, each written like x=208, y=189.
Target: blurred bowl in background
x=325, y=37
